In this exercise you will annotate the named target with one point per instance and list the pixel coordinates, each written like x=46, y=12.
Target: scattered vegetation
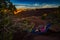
x=6, y=25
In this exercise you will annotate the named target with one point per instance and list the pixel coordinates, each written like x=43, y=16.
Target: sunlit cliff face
x=19, y=10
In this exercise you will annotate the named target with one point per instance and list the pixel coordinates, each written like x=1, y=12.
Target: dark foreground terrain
x=30, y=36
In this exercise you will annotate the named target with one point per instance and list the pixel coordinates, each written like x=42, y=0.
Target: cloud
x=36, y=5
x=21, y=6
x=48, y=6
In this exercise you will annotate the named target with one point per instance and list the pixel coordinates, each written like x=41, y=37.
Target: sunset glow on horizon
x=31, y=4
x=22, y=5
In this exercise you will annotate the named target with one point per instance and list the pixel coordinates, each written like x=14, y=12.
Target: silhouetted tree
x=6, y=8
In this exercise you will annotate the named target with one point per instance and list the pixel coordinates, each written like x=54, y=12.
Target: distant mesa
x=36, y=10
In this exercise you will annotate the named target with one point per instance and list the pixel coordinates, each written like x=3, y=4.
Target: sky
x=36, y=3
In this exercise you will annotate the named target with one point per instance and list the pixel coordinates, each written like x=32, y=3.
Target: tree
x=5, y=21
